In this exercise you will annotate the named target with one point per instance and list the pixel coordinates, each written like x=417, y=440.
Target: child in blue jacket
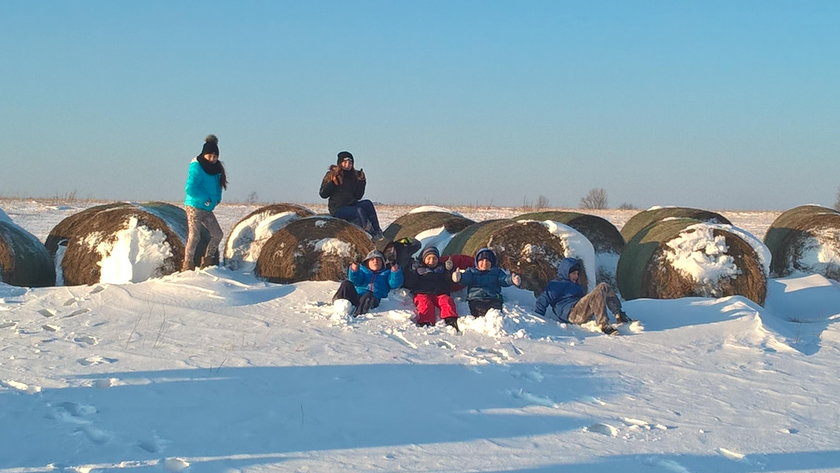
x=485, y=282
x=570, y=303
x=369, y=282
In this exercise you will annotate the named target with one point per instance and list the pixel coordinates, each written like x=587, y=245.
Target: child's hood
x=485, y=253
x=565, y=267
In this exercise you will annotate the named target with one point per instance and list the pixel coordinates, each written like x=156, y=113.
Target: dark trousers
x=479, y=307
x=363, y=303
x=363, y=214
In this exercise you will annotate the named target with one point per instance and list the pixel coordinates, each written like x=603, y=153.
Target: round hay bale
x=805, y=239
x=532, y=249
x=687, y=257
x=604, y=236
x=120, y=243
x=24, y=260
x=246, y=239
x=429, y=227
x=312, y=249
x=647, y=217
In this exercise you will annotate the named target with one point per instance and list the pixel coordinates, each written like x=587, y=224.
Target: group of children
x=431, y=281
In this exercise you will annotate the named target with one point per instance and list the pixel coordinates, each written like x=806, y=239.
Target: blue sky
x=710, y=104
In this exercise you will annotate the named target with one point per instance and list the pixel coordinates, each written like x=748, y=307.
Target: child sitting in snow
x=369, y=282
x=431, y=282
x=484, y=283
x=570, y=303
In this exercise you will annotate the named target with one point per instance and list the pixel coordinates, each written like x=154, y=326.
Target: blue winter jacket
x=379, y=283
x=204, y=191
x=561, y=294
x=485, y=285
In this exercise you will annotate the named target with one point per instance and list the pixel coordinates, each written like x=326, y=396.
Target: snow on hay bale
x=686, y=257
x=120, y=242
x=604, y=236
x=245, y=241
x=318, y=248
x=24, y=260
x=530, y=248
x=655, y=214
x=430, y=227
x=805, y=239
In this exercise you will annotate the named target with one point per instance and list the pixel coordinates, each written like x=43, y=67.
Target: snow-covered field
x=215, y=371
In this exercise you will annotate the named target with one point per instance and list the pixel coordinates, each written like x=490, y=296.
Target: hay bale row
x=683, y=257
x=805, y=239
x=24, y=260
x=312, y=249
x=430, y=227
x=646, y=217
x=120, y=242
x=245, y=241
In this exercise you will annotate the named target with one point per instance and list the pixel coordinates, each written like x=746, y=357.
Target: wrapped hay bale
x=805, y=239
x=687, y=257
x=312, y=249
x=24, y=260
x=655, y=214
x=532, y=249
x=429, y=227
x=604, y=236
x=120, y=243
x=245, y=241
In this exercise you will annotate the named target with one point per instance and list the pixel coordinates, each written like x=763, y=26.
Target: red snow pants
x=426, y=304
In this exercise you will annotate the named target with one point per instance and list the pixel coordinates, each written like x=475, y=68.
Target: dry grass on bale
x=290, y=255
x=801, y=231
x=24, y=260
x=643, y=270
x=82, y=232
x=413, y=224
x=266, y=212
x=646, y=217
x=527, y=248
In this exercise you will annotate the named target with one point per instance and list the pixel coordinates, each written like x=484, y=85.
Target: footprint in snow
x=95, y=360
x=8, y=324
x=85, y=340
x=76, y=312
x=46, y=313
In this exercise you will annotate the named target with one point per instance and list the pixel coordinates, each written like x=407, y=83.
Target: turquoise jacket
x=204, y=191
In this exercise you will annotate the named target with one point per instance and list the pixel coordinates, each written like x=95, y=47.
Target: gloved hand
x=360, y=176
x=456, y=276
x=516, y=279
x=335, y=175
x=449, y=265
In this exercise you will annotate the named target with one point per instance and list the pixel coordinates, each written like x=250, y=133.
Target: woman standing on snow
x=205, y=181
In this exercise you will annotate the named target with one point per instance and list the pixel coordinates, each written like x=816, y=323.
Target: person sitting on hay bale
x=369, y=282
x=205, y=182
x=431, y=282
x=570, y=303
x=485, y=282
x=344, y=187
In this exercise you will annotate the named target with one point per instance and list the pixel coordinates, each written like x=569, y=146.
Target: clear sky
x=710, y=104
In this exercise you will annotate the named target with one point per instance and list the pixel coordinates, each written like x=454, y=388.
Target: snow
x=819, y=254
x=215, y=371
x=248, y=237
x=437, y=237
x=577, y=245
x=136, y=254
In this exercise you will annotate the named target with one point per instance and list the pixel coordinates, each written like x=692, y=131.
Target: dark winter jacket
x=485, y=285
x=348, y=191
x=561, y=294
x=428, y=280
x=379, y=283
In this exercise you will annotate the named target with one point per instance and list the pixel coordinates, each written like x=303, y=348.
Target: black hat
x=344, y=155
x=211, y=145
x=429, y=250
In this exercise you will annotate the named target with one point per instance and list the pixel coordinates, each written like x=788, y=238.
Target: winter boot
x=208, y=261
x=609, y=330
x=622, y=317
x=187, y=266
x=452, y=322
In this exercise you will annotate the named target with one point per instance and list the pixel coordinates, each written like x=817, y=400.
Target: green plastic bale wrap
x=24, y=260
x=678, y=258
x=245, y=241
x=805, y=239
x=647, y=217
x=87, y=238
x=526, y=248
x=312, y=249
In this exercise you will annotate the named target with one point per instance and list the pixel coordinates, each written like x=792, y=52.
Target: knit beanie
x=211, y=145
x=485, y=253
x=429, y=250
x=344, y=155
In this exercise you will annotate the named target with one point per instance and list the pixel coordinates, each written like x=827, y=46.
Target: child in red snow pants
x=427, y=303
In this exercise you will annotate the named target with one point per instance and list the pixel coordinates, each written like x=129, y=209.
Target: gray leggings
x=195, y=219
x=595, y=303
